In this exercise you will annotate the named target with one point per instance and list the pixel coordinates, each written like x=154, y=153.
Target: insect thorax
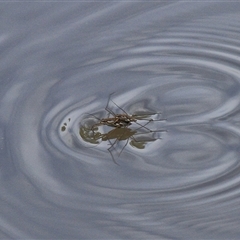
x=119, y=120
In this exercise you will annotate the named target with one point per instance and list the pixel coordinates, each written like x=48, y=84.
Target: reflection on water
x=58, y=180
x=137, y=137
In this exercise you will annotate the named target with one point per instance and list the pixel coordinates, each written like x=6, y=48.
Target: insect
x=138, y=135
x=120, y=120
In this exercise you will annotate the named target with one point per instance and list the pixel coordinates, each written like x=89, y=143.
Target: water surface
x=61, y=61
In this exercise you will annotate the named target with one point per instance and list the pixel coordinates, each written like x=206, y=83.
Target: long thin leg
x=119, y=107
x=123, y=147
x=138, y=117
x=110, y=150
x=113, y=147
x=153, y=139
x=143, y=126
x=93, y=116
x=107, y=108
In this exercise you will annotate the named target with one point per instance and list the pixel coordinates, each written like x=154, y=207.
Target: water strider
x=121, y=129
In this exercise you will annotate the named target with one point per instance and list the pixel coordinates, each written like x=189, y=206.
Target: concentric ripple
x=178, y=61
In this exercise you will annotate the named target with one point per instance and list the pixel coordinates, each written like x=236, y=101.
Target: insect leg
x=119, y=107
x=110, y=150
x=149, y=120
x=144, y=116
x=144, y=126
x=107, y=108
x=124, y=147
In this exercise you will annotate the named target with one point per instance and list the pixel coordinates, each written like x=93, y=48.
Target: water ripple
x=182, y=183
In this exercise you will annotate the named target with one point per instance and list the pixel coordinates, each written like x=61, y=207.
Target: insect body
x=118, y=121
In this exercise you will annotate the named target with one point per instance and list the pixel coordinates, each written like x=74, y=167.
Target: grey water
x=60, y=61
